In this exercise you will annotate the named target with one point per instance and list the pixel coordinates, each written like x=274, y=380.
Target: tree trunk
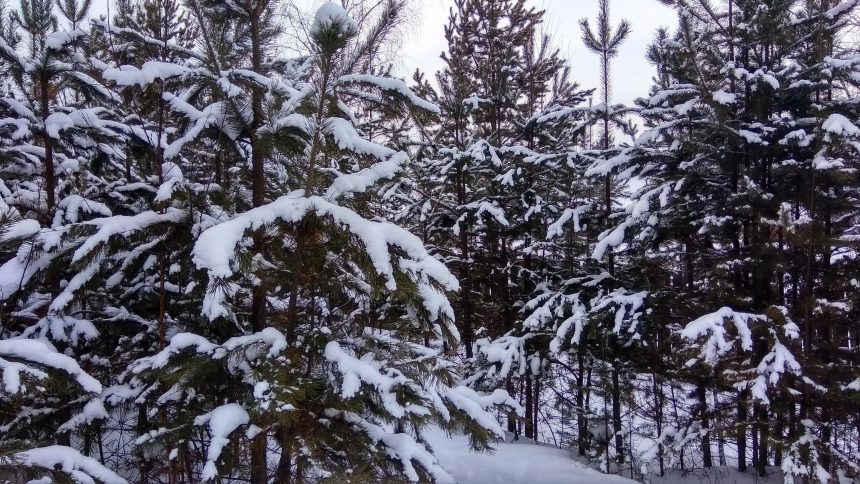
x=536, y=408
x=721, y=438
x=762, y=423
x=285, y=470
x=616, y=414
x=49, y=175
x=259, y=466
x=581, y=416
x=702, y=394
x=742, y=430
x=658, y=420
x=529, y=423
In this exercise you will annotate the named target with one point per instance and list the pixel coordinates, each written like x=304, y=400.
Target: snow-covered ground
x=718, y=475
x=521, y=462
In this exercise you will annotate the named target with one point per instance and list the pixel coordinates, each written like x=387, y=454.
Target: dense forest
x=236, y=246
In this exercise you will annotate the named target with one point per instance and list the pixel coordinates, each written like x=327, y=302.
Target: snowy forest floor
x=521, y=462
x=524, y=462
x=720, y=475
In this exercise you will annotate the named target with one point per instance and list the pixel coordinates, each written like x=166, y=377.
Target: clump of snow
x=222, y=422
x=80, y=467
x=475, y=405
x=73, y=205
x=840, y=125
x=57, y=122
x=124, y=225
x=59, y=40
x=150, y=71
x=724, y=97
x=718, y=341
x=329, y=15
x=356, y=371
x=39, y=353
x=841, y=8
x=20, y=229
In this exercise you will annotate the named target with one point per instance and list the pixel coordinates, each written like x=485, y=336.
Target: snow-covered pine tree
x=605, y=41
x=479, y=97
x=149, y=287
x=36, y=381
x=334, y=375
x=745, y=125
x=60, y=153
x=579, y=318
x=486, y=195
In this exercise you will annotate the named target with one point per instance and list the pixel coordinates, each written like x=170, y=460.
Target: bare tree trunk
x=763, y=427
x=529, y=423
x=658, y=419
x=742, y=430
x=285, y=470
x=616, y=414
x=581, y=416
x=702, y=394
x=49, y=175
x=721, y=438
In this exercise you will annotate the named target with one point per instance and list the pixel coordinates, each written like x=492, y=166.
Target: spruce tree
x=743, y=127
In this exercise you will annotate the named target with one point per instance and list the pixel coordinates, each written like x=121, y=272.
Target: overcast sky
x=424, y=41
x=631, y=72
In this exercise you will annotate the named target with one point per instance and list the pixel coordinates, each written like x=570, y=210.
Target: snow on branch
x=718, y=342
x=215, y=249
x=222, y=421
x=778, y=361
x=355, y=371
x=124, y=225
x=211, y=115
x=9, y=53
x=331, y=14
x=400, y=446
x=268, y=337
x=78, y=466
x=392, y=85
x=476, y=406
x=38, y=353
x=840, y=9
x=839, y=125
x=59, y=40
x=148, y=73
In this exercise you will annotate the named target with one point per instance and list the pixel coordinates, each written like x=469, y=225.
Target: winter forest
x=236, y=245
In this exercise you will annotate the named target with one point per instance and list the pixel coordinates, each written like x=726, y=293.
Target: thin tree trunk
x=763, y=427
x=742, y=430
x=721, y=438
x=259, y=466
x=49, y=175
x=702, y=394
x=581, y=417
x=616, y=414
x=529, y=422
x=658, y=419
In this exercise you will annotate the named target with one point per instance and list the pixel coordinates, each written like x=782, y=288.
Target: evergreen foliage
x=234, y=246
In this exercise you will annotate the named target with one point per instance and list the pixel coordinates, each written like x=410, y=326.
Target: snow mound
x=330, y=14
x=522, y=462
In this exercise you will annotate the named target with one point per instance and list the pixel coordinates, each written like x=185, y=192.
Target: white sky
x=630, y=71
x=424, y=40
